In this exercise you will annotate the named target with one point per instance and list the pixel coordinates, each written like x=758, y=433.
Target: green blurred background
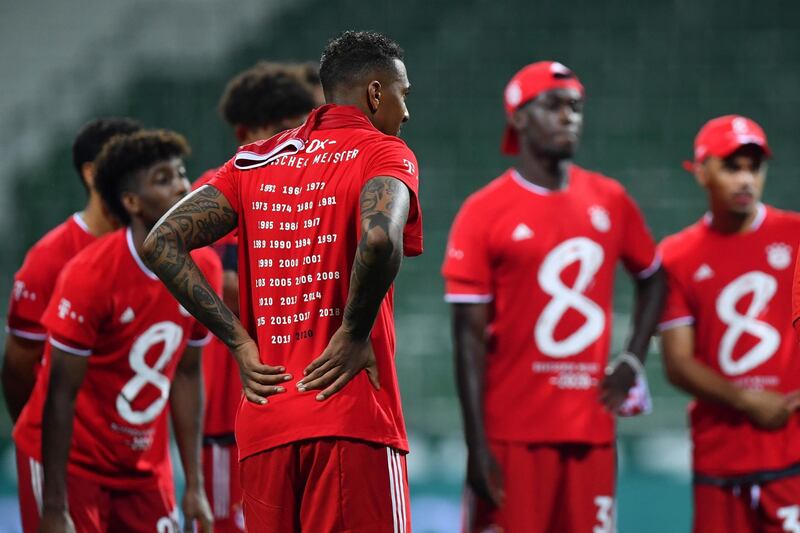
x=654, y=72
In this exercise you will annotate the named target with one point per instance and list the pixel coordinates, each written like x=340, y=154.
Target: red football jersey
x=736, y=291
x=223, y=386
x=546, y=260
x=35, y=280
x=297, y=196
x=109, y=307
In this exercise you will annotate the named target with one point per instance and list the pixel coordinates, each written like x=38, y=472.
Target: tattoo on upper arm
x=199, y=221
x=384, y=204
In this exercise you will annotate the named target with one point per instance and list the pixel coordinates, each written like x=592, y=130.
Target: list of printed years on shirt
x=291, y=247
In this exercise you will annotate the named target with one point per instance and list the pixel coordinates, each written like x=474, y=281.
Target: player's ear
x=88, y=171
x=701, y=173
x=131, y=203
x=374, y=96
x=519, y=119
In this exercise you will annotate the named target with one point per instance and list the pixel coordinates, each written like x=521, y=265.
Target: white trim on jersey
x=397, y=490
x=80, y=222
x=69, y=349
x=532, y=187
x=468, y=298
x=649, y=271
x=26, y=334
x=221, y=484
x=196, y=343
x=761, y=214
x=132, y=249
x=37, y=476
x=676, y=323
x=246, y=160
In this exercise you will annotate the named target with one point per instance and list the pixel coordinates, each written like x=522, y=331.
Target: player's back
x=299, y=230
x=108, y=307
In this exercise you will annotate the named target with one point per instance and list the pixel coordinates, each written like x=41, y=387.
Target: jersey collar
x=78, y=219
x=758, y=221
x=135, y=255
x=332, y=116
x=537, y=189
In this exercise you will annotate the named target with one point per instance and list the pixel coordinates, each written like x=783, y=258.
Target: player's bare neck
x=731, y=223
x=95, y=218
x=545, y=172
x=138, y=234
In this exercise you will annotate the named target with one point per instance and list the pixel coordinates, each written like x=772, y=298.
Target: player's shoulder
x=55, y=240
x=48, y=255
x=95, y=261
x=494, y=196
x=597, y=181
x=205, y=177
x=782, y=218
x=683, y=243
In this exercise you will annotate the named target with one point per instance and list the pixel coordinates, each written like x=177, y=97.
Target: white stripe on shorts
x=221, y=457
x=397, y=490
x=36, y=482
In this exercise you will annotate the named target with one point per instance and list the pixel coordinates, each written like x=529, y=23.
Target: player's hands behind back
x=258, y=380
x=768, y=409
x=342, y=360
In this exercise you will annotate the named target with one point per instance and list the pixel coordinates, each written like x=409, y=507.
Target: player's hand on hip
x=342, y=360
x=196, y=509
x=484, y=476
x=56, y=522
x=615, y=386
x=258, y=380
x=766, y=409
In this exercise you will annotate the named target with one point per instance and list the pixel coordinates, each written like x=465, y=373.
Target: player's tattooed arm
x=384, y=206
x=199, y=220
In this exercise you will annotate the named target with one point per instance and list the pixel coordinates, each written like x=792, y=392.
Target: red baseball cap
x=721, y=136
x=526, y=85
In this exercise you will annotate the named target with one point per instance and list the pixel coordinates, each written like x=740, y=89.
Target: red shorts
x=548, y=487
x=97, y=509
x=221, y=472
x=770, y=507
x=331, y=485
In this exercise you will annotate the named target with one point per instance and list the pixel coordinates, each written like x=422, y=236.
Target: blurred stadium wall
x=654, y=72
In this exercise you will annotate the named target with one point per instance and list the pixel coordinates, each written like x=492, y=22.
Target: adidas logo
x=521, y=232
x=127, y=316
x=704, y=272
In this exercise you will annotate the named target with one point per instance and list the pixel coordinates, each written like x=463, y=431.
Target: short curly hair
x=94, y=134
x=264, y=95
x=124, y=156
x=352, y=54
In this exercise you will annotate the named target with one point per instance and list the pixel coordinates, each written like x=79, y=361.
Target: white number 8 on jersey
x=762, y=286
x=170, y=334
x=590, y=256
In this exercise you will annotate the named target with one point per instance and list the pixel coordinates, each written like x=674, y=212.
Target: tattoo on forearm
x=384, y=210
x=200, y=221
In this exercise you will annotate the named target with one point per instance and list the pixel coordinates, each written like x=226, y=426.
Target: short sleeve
x=210, y=265
x=639, y=253
x=227, y=182
x=466, y=268
x=677, y=310
x=76, y=311
x=394, y=159
x=33, y=285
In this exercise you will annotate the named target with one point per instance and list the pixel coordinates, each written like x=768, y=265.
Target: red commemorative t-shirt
x=35, y=280
x=545, y=261
x=298, y=232
x=223, y=386
x=736, y=292
x=109, y=307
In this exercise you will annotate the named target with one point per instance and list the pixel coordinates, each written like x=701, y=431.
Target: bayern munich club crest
x=779, y=255
x=599, y=218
